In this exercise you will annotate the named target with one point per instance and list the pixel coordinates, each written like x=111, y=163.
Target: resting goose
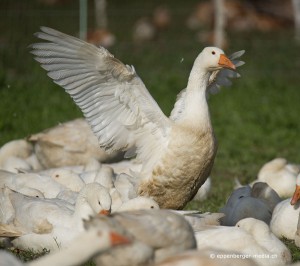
x=51, y=223
x=294, y=200
x=208, y=257
x=177, y=153
x=155, y=234
x=88, y=244
x=69, y=143
x=285, y=219
x=249, y=236
x=50, y=187
x=280, y=175
x=17, y=148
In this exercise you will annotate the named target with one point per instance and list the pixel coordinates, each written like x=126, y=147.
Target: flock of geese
x=62, y=192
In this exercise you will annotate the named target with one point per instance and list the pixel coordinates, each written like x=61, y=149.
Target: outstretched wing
x=222, y=77
x=110, y=94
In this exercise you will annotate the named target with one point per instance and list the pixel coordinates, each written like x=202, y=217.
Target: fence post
x=82, y=19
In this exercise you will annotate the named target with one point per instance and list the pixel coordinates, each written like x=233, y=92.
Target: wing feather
x=112, y=97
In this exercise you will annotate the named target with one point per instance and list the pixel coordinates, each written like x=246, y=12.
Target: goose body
x=158, y=233
x=285, y=219
x=52, y=223
x=279, y=175
x=138, y=203
x=207, y=257
x=203, y=191
x=69, y=143
x=89, y=243
x=176, y=152
x=50, y=186
x=16, y=148
x=249, y=236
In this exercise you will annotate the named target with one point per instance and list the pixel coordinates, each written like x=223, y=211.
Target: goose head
x=213, y=59
x=68, y=178
x=139, y=203
x=253, y=226
x=93, y=199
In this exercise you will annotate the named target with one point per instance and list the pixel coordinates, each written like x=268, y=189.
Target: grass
x=255, y=120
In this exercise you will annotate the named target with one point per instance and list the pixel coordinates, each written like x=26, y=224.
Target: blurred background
x=255, y=120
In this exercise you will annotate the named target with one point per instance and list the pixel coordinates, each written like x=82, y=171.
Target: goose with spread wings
x=176, y=152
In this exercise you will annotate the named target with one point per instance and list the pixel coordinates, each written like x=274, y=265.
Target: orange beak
x=117, y=239
x=296, y=195
x=104, y=212
x=225, y=62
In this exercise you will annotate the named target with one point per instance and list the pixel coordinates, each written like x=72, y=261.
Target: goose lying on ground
x=203, y=191
x=70, y=143
x=285, y=218
x=138, y=203
x=249, y=236
x=256, y=202
x=162, y=231
x=88, y=244
x=294, y=201
x=50, y=187
x=52, y=223
x=18, y=155
x=279, y=175
x=67, y=178
x=207, y=257
x=17, y=148
x=177, y=153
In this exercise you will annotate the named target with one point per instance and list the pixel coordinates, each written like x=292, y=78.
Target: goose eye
x=99, y=202
x=213, y=52
x=152, y=207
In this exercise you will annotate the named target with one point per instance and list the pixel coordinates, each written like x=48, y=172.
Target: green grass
x=255, y=120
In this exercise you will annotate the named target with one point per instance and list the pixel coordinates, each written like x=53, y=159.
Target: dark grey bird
x=256, y=202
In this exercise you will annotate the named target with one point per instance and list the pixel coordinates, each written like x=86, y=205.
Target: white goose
x=279, y=175
x=69, y=143
x=176, y=153
x=138, y=203
x=17, y=148
x=50, y=187
x=52, y=223
x=285, y=220
x=250, y=236
x=163, y=231
x=66, y=177
x=88, y=244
